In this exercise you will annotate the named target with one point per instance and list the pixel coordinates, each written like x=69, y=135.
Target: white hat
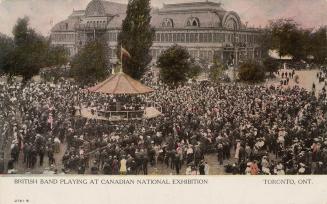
x=302, y=170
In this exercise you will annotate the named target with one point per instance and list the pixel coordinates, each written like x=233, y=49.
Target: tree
x=216, y=71
x=57, y=55
x=271, y=65
x=251, y=71
x=194, y=69
x=6, y=46
x=136, y=37
x=29, y=52
x=266, y=42
x=287, y=37
x=90, y=64
x=176, y=65
x=319, y=45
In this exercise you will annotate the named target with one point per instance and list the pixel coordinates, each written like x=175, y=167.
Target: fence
x=121, y=115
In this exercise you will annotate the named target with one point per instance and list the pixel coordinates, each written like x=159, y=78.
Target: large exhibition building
x=207, y=30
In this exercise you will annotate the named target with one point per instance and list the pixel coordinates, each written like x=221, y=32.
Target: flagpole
x=121, y=57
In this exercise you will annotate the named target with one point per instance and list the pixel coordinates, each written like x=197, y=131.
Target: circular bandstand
x=120, y=85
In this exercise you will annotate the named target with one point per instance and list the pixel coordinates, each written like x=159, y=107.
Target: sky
x=44, y=14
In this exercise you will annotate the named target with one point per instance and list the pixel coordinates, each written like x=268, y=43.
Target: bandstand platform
x=120, y=84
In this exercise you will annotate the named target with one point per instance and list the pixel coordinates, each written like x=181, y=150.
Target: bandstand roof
x=120, y=83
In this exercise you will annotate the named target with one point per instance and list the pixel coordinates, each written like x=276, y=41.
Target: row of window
x=197, y=37
x=177, y=37
x=112, y=37
x=204, y=38
x=209, y=54
x=63, y=26
x=202, y=54
x=96, y=24
x=63, y=37
x=155, y=53
x=192, y=21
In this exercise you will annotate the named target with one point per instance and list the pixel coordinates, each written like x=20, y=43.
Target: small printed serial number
x=21, y=201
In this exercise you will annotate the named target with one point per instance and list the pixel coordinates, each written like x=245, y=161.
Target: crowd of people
x=251, y=129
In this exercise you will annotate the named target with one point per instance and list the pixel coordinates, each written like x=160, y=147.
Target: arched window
x=193, y=21
x=167, y=23
x=231, y=24
x=231, y=21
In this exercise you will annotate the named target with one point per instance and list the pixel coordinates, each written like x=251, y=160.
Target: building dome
x=104, y=8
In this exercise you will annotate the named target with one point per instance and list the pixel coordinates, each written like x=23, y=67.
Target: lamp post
x=235, y=45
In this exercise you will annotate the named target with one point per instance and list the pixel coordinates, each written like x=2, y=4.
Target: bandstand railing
x=121, y=115
x=118, y=112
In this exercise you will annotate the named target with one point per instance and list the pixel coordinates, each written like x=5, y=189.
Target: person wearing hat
x=188, y=170
x=280, y=169
x=130, y=164
x=206, y=168
x=201, y=167
x=237, y=150
x=248, y=168
x=123, y=167
x=320, y=168
x=50, y=155
x=220, y=154
x=194, y=170
x=177, y=163
x=115, y=166
x=189, y=154
x=254, y=168
x=302, y=169
x=94, y=168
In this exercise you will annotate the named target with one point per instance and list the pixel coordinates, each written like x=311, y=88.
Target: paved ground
x=214, y=167
x=21, y=167
x=306, y=79
x=159, y=169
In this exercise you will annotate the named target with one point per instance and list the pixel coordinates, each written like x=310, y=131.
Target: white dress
x=237, y=151
x=206, y=169
x=123, y=165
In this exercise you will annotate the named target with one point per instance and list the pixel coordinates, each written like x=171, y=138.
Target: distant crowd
x=250, y=129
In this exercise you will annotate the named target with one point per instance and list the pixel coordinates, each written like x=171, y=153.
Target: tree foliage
x=29, y=53
x=176, y=65
x=251, y=71
x=6, y=46
x=271, y=65
x=216, y=71
x=288, y=38
x=194, y=69
x=90, y=64
x=57, y=55
x=318, y=45
x=137, y=37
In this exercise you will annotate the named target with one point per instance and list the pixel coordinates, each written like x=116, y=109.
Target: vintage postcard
x=147, y=98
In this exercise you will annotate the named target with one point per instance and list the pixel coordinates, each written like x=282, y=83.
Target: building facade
x=207, y=30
